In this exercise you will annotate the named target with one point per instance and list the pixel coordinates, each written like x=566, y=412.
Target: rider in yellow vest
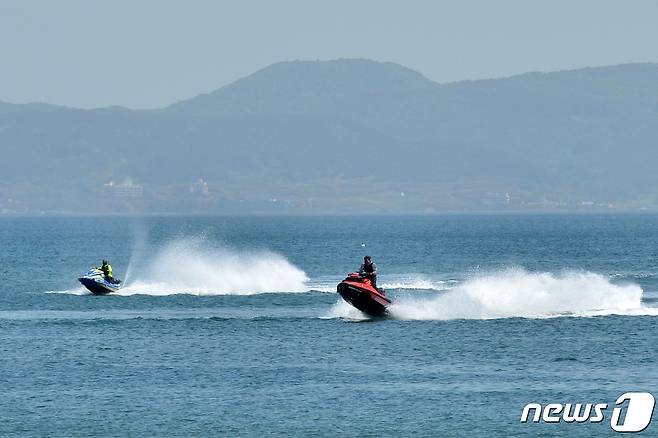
x=107, y=271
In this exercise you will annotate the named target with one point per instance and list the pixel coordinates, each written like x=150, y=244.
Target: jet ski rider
x=107, y=271
x=369, y=270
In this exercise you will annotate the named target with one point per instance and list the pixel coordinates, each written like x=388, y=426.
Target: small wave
x=321, y=287
x=420, y=284
x=633, y=274
x=389, y=283
x=93, y=316
x=75, y=291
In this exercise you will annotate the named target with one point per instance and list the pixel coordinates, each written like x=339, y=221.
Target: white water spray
x=139, y=246
x=187, y=266
x=518, y=293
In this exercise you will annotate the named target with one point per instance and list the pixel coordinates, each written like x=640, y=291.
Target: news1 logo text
x=632, y=412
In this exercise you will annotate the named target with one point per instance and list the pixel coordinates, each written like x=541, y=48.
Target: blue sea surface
x=230, y=326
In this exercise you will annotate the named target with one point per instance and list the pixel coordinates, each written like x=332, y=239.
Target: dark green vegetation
x=346, y=136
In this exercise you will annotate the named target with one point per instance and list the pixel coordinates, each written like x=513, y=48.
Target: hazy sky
x=150, y=53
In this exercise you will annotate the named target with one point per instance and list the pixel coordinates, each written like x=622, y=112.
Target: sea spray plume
x=518, y=293
x=140, y=232
x=189, y=266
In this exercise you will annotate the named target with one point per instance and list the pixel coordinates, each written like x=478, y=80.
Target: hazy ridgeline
x=347, y=136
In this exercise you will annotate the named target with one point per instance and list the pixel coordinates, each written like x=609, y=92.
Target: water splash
x=139, y=247
x=518, y=293
x=188, y=266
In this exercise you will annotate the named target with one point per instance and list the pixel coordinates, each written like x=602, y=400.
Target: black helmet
x=367, y=259
x=105, y=262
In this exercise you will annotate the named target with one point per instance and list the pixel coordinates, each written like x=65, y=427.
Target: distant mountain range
x=347, y=136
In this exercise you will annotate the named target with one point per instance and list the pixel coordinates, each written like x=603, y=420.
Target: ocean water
x=230, y=326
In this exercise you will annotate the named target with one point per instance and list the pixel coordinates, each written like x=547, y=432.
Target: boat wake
x=75, y=291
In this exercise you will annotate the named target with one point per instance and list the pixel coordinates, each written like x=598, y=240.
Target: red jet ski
x=358, y=291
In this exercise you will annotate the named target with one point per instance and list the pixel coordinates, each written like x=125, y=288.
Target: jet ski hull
x=96, y=283
x=98, y=288
x=360, y=294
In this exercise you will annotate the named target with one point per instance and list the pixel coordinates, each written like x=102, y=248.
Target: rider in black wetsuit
x=369, y=270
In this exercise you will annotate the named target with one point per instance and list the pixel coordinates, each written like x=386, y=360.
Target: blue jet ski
x=95, y=281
